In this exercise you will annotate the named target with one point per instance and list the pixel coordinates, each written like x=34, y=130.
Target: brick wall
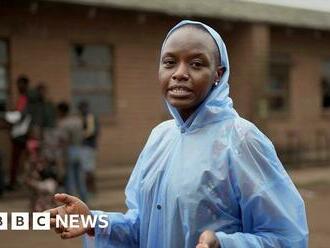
x=305, y=119
x=40, y=44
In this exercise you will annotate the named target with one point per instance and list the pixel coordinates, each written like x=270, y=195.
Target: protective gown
x=215, y=171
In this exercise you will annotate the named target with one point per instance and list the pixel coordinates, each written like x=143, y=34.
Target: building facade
x=108, y=51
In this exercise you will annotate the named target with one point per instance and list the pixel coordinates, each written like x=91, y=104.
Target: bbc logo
x=21, y=221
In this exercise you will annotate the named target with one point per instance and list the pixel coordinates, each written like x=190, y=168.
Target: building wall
x=248, y=48
x=40, y=40
x=40, y=48
x=305, y=120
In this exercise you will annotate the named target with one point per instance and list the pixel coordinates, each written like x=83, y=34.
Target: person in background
x=41, y=173
x=44, y=117
x=70, y=128
x=41, y=108
x=89, y=143
x=23, y=84
x=19, y=130
x=2, y=177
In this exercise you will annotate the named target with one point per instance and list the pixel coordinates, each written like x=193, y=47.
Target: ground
x=317, y=201
x=313, y=184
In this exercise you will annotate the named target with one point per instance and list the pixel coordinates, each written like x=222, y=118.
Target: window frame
x=280, y=59
x=104, y=117
x=325, y=112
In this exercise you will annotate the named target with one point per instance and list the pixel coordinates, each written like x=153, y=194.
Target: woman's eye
x=168, y=62
x=196, y=64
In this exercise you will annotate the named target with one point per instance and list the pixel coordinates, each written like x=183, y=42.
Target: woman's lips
x=179, y=92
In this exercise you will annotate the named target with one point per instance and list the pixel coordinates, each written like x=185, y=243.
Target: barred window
x=91, y=75
x=277, y=90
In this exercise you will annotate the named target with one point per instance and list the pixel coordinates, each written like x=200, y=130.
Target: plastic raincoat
x=214, y=171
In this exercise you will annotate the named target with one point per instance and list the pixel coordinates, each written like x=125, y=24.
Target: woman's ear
x=218, y=73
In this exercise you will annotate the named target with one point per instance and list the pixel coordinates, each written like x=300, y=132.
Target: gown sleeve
x=123, y=229
x=272, y=211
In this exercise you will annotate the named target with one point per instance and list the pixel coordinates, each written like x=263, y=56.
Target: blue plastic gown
x=214, y=171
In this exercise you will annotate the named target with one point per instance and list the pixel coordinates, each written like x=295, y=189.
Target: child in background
x=70, y=128
x=41, y=173
x=89, y=144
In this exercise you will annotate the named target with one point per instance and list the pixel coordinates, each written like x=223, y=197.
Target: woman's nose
x=181, y=73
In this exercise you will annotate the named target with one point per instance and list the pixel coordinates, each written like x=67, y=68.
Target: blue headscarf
x=217, y=105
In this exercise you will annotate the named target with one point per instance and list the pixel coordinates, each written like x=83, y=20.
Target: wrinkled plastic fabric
x=216, y=171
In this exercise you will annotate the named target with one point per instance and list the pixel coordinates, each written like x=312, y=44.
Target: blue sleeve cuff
x=221, y=237
x=101, y=232
x=238, y=239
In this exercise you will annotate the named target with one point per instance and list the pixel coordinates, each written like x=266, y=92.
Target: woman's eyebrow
x=189, y=55
x=199, y=55
x=167, y=54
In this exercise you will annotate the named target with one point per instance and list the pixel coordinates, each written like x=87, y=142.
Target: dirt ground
x=317, y=200
x=314, y=186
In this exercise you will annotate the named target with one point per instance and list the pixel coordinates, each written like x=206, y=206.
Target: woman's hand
x=72, y=205
x=208, y=240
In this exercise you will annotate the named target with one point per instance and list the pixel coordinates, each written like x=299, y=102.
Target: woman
x=208, y=178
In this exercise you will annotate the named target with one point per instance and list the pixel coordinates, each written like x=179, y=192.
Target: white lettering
x=20, y=221
x=88, y=221
x=74, y=220
x=103, y=221
x=41, y=221
x=3, y=221
x=61, y=222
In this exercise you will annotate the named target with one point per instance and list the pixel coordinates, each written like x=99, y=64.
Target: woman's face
x=188, y=69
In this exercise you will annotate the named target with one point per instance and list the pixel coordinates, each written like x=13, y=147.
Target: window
x=325, y=86
x=92, y=77
x=3, y=75
x=277, y=91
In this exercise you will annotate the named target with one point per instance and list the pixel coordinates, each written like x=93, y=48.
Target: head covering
x=217, y=105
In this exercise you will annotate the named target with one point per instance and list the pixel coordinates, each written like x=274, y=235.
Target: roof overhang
x=235, y=10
